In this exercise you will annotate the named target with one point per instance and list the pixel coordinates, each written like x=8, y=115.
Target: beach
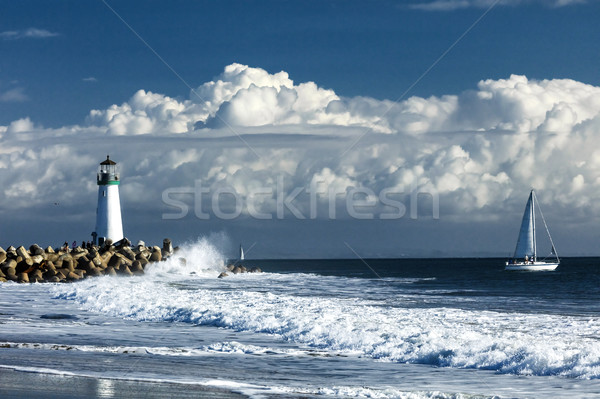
x=27, y=384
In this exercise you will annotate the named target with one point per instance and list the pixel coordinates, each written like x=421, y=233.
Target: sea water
x=385, y=328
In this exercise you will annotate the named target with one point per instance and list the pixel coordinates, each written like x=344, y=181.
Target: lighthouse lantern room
x=108, y=213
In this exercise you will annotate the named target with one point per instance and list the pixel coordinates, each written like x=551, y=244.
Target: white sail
x=525, y=257
x=241, y=253
x=526, y=241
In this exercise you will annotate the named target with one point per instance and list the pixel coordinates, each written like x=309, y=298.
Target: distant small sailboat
x=241, y=253
x=525, y=257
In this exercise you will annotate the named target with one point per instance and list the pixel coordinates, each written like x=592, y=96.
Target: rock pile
x=236, y=269
x=61, y=265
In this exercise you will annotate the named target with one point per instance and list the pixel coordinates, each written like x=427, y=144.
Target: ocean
x=345, y=328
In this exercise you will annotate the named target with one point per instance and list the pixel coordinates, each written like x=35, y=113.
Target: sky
x=303, y=129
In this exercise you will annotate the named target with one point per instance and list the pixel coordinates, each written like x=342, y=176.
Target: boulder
x=236, y=270
x=125, y=271
x=55, y=279
x=48, y=274
x=22, y=252
x=24, y=266
x=52, y=257
x=80, y=273
x=36, y=276
x=137, y=268
x=223, y=274
x=2, y=256
x=10, y=273
x=255, y=270
x=143, y=261
x=67, y=263
x=23, y=278
x=37, y=259
x=110, y=271
x=63, y=272
x=124, y=259
x=106, y=256
x=72, y=276
x=49, y=250
x=88, y=266
x=115, y=261
x=128, y=253
x=76, y=255
x=123, y=242
x=82, y=262
x=156, y=255
x=98, y=262
x=10, y=263
x=11, y=252
x=36, y=250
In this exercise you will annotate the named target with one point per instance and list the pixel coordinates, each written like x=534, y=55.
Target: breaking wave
x=512, y=343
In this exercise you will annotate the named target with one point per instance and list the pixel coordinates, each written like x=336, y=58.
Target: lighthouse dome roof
x=108, y=161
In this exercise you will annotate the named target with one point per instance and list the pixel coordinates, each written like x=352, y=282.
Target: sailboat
x=242, y=252
x=525, y=257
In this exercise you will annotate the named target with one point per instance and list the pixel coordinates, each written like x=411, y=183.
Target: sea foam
x=512, y=343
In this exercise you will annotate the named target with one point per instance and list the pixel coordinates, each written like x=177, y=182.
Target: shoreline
x=20, y=382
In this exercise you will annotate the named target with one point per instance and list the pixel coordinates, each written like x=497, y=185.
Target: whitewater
x=437, y=328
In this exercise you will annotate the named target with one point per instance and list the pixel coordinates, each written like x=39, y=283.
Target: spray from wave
x=203, y=257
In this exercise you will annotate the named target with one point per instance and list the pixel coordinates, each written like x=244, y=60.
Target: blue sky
x=474, y=100
x=358, y=48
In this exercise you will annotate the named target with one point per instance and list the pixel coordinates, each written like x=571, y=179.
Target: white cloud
x=145, y=113
x=31, y=33
x=480, y=149
x=16, y=94
x=90, y=79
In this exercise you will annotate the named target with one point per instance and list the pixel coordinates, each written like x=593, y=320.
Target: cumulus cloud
x=31, y=33
x=480, y=150
x=449, y=5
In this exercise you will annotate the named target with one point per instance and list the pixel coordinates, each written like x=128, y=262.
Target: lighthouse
x=108, y=213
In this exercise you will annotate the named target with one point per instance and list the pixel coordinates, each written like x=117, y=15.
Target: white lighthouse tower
x=108, y=213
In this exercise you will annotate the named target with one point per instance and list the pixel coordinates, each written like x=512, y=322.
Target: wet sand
x=20, y=384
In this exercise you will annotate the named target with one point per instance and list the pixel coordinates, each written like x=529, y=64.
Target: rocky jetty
x=41, y=265
x=237, y=269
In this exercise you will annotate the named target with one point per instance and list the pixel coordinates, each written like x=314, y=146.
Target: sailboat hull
x=535, y=266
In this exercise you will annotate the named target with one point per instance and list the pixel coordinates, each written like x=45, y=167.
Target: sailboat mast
x=533, y=221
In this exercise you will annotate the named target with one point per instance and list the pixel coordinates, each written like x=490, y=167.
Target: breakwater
x=39, y=265
x=63, y=264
